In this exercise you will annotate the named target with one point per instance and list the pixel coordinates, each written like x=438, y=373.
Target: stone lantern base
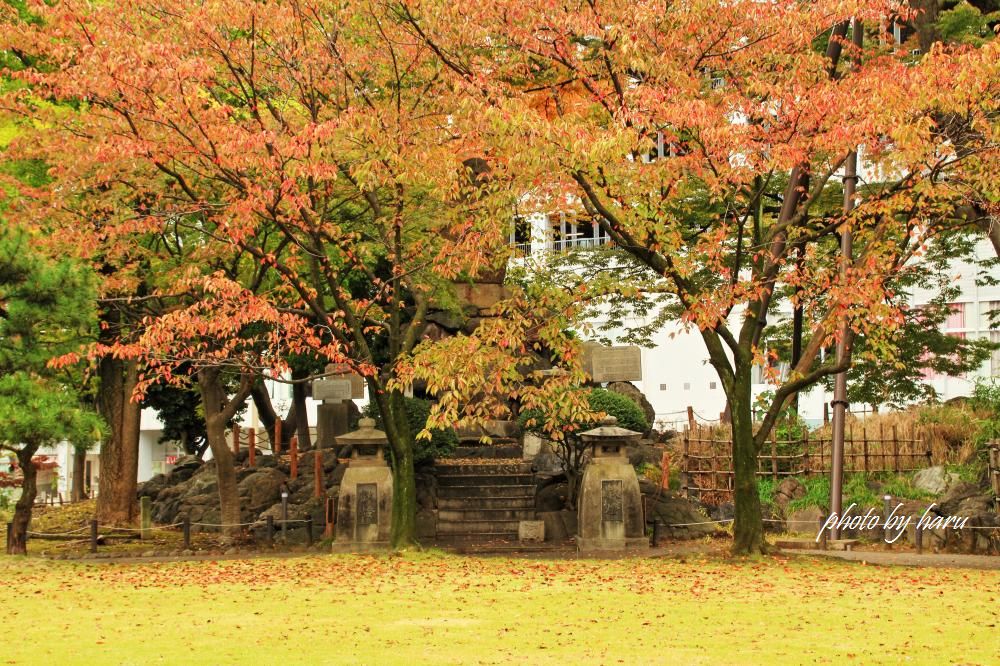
x=364, y=508
x=610, y=508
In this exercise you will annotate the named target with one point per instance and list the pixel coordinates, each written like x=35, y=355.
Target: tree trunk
x=268, y=417
x=991, y=227
x=79, y=470
x=748, y=525
x=18, y=544
x=404, y=486
x=216, y=406
x=119, y=469
x=300, y=412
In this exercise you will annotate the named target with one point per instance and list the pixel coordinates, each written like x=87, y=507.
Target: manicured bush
x=442, y=442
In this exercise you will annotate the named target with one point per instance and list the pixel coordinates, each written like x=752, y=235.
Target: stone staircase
x=483, y=500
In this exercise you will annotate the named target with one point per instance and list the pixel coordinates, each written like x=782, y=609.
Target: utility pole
x=846, y=335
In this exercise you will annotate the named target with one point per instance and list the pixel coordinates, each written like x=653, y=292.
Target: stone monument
x=334, y=394
x=364, y=506
x=612, y=364
x=610, y=503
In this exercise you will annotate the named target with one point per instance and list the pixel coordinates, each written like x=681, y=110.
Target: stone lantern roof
x=609, y=432
x=365, y=434
x=367, y=443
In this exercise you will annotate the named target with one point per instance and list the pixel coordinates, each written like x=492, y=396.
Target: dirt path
x=883, y=558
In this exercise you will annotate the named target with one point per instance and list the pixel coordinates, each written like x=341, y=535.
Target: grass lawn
x=430, y=608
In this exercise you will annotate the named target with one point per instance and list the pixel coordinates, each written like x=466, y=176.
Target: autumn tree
x=317, y=137
x=703, y=138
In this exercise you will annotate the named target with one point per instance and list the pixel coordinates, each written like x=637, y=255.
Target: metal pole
x=93, y=536
x=187, y=533
x=284, y=517
x=846, y=336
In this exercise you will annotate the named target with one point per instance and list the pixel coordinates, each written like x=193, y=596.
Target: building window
x=995, y=359
x=956, y=320
x=520, y=237
x=570, y=232
x=989, y=315
x=687, y=386
x=711, y=386
x=663, y=387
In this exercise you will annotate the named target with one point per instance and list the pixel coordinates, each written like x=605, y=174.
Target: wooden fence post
x=186, y=530
x=864, y=439
x=145, y=516
x=252, y=444
x=277, y=437
x=774, y=455
x=805, y=453
x=691, y=422
x=715, y=466
x=93, y=536
x=895, y=448
x=293, y=451
x=685, y=462
x=331, y=517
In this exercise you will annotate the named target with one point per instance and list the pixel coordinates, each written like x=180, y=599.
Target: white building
x=676, y=370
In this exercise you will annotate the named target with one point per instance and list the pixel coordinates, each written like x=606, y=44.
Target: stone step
x=487, y=451
x=480, y=539
x=485, y=480
x=477, y=526
x=444, y=468
x=460, y=503
x=457, y=491
x=476, y=513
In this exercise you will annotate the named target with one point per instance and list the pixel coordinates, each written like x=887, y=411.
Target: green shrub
x=442, y=442
x=817, y=494
x=625, y=410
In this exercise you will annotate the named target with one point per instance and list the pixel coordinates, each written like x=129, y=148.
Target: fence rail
x=707, y=466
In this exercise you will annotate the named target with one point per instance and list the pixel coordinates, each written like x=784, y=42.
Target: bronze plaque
x=612, y=506
x=368, y=504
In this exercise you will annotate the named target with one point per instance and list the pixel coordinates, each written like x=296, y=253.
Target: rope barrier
x=161, y=528
x=69, y=533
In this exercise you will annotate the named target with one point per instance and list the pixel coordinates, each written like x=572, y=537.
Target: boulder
x=644, y=452
x=552, y=497
x=153, y=487
x=546, y=460
x=934, y=480
x=804, y=521
x=184, y=469
x=629, y=389
x=261, y=489
x=680, y=518
x=789, y=489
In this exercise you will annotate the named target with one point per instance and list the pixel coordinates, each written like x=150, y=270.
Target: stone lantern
x=610, y=504
x=364, y=506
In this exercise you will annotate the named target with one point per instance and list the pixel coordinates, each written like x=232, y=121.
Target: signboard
x=170, y=460
x=612, y=364
x=333, y=389
x=343, y=372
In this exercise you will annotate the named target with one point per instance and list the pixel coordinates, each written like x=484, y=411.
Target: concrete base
x=631, y=544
